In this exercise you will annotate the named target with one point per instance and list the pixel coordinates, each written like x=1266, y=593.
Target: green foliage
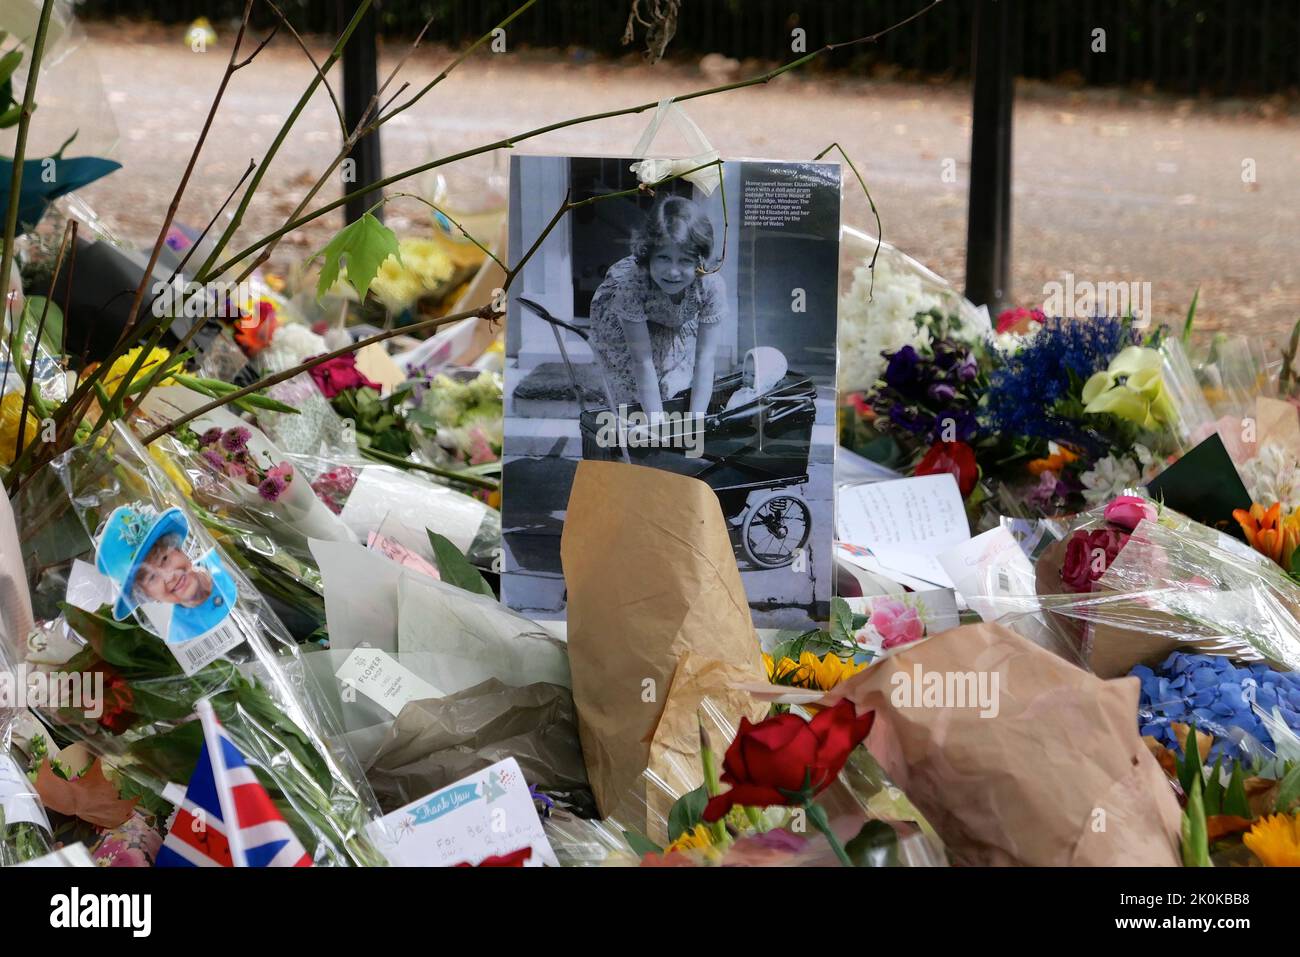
x=361, y=247
x=640, y=844
x=455, y=568
x=1288, y=792
x=1195, y=832
x=687, y=811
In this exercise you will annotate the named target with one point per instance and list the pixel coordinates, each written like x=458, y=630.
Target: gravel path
x=1113, y=186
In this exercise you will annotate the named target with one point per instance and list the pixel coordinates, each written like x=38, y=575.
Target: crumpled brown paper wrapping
x=1059, y=777
x=657, y=622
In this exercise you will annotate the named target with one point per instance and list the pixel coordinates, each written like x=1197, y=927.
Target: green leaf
x=1288, y=792
x=687, y=811
x=1213, y=796
x=255, y=401
x=124, y=645
x=455, y=568
x=362, y=247
x=841, y=620
x=1195, y=832
x=1234, y=799
x=171, y=755
x=52, y=333
x=640, y=844
x=8, y=63
x=876, y=845
x=1189, y=769
x=1191, y=315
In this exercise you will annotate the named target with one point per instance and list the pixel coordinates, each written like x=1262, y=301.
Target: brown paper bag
x=1057, y=777
x=658, y=621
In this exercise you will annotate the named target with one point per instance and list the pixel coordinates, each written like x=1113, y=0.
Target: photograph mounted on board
x=689, y=328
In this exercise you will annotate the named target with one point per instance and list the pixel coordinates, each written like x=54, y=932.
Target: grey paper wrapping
x=657, y=621
x=1058, y=777
x=437, y=742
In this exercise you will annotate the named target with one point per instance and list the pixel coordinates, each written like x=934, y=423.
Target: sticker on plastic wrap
x=488, y=814
x=18, y=798
x=186, y=598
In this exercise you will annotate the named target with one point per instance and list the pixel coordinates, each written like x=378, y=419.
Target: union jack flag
x=227, y=819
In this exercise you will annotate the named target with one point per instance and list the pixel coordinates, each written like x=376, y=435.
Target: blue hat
x=128, y=536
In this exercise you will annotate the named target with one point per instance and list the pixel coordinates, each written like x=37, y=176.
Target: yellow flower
x=818, y=674
x=1275, y=840
x=11, y=409
x=118, y=370
x=693, y=840
x=422, y=268
x=169, y=466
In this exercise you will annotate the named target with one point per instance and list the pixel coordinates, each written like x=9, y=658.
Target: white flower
x=879, y=320
x=1273, y=476
x=292, y=343
x=1109, y=477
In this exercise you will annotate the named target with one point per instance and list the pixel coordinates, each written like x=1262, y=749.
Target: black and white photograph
x=688, y=326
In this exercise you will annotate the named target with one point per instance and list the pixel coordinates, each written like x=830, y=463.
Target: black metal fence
x=1221, y=47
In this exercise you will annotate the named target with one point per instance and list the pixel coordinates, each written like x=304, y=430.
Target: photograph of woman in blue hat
x=144, y=553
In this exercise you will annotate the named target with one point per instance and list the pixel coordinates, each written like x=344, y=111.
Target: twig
x=338, y=109
x=511, y=141
x=880, y=229
x=20, y=150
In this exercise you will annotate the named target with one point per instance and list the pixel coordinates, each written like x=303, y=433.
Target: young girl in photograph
x=655, y=318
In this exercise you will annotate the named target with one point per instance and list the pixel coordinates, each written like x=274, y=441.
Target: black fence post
x=360, y=83
x=988, y=225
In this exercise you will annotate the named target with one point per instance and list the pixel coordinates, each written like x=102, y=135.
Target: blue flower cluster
x=1051, y=366
x=1215, y=695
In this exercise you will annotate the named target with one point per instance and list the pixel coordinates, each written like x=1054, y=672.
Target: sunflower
x=1275, y=840
x=698, y=838
x=818, y=674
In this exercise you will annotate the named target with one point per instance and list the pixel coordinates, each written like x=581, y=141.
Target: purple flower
x=942, y=392
x=236, y=439
x=272, y=487
x=902, y=370
x=214, y=460
x=210, y=437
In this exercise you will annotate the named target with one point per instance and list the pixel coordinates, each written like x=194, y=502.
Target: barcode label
x=197, y=652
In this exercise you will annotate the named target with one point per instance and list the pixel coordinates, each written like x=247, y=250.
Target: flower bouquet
x=176, y=622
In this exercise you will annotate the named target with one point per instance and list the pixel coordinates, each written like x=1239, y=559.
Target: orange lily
x=1052, y=463
x=1269, y=533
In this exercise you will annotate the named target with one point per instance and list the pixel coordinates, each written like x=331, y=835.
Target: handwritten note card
x=486, y=814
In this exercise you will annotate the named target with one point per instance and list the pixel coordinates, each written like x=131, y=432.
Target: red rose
x=339, y=373
x=1088, y=555
x=117, y=715
x=955, y=457
x=772, y=762
x=513, y=859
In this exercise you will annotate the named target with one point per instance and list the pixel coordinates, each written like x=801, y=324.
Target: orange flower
x=1269, y=533
x=1053, y=463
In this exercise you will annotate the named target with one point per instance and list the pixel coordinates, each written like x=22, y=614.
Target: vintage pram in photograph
x=754, y=456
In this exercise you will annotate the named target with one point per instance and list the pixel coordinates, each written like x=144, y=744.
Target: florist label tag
x=383, y=680
x=18, y=798
x=487, y=814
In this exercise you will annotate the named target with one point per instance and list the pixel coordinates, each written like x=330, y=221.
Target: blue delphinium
x=1216, y=696
x=1052, y=366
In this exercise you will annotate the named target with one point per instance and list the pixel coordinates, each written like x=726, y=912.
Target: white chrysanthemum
x=292, y=343
x=1107, y=478
x=1273, y=476
x=879, y=320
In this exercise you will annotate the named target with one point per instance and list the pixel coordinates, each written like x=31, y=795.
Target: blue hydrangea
x=1215, y=695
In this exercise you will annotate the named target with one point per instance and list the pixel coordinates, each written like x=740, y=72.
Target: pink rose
x=897, y=623
x=1127, y=510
